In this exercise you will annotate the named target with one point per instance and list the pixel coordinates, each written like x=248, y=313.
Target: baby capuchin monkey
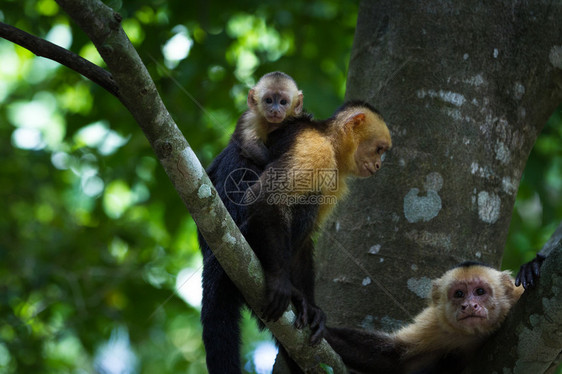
x=468, y=303
x=274, y=99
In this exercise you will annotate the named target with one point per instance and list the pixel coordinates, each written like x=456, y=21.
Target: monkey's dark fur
x=222, y=302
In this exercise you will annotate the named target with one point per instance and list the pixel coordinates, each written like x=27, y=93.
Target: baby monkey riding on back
x=274, y=99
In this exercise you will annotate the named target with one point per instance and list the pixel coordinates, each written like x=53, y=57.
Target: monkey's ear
x=435, y=292
x=355, y=120
x=252, y=103
x=298, y=106
x=507, y=284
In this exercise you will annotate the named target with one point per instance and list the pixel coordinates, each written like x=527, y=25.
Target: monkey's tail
x=220, y=317
x=365, y=351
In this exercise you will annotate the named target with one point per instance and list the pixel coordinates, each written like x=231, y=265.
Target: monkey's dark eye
x=283, y=102
x=269, y=100
x=459, y=294
x=480, y=291
x=379, y=150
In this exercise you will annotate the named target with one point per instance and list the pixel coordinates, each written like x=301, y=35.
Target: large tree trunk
x=465, y=88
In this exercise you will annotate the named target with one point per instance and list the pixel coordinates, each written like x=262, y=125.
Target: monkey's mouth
x=274, y=119
x=471, y=316
x=368, y=168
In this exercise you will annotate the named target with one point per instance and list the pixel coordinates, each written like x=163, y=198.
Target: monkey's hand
x=278, y=293
x=309, y=314
x=529, y=272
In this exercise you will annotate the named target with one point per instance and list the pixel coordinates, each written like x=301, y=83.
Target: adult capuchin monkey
x=274, y=99
x=310, y=161
x=468, y=303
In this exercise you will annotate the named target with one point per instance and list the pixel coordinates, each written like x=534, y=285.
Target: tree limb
x=139, y=95
x=530, y=340
x=44, y=48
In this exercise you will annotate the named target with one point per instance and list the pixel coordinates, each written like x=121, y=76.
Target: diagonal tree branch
x=130, y=82
x=44, y=48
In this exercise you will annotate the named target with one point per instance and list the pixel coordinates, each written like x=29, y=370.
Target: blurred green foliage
x=538, y=208
x=94, y=240
x=97, y=256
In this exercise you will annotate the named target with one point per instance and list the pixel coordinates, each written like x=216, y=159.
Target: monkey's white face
x=275, y=99
x=474, y=299
x=471, y=303
x=276, y=105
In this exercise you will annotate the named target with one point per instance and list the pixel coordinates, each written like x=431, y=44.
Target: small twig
x=43, y=48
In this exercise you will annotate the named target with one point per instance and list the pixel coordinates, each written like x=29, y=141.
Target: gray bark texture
x=465, y=88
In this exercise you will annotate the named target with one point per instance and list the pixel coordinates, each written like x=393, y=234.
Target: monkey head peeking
x=475, y=298
x=468, y=303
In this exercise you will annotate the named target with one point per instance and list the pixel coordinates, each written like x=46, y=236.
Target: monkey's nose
x=474, y=307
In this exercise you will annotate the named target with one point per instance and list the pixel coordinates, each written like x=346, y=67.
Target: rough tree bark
x=465, y=88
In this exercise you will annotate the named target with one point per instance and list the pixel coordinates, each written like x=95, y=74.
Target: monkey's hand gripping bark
x=309, y=314
x=529, y=273
x=280, y=292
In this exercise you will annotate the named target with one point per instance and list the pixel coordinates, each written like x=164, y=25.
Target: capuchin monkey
x=274, y=99
x=468, y=303
x=280, y=223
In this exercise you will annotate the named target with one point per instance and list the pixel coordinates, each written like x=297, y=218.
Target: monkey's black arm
x=268, y=234
x=302, y=277
x=252, y=149
x=43, y=48
x=529, y=273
